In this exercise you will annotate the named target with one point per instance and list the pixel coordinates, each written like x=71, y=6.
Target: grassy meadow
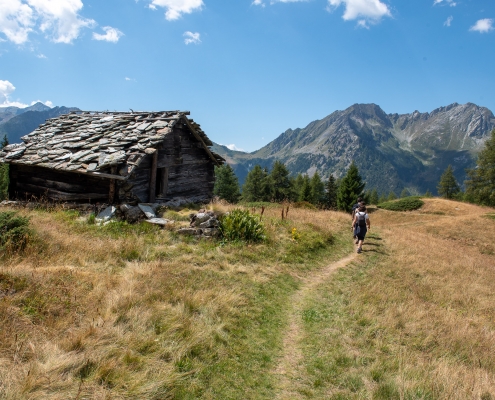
x=136, y=312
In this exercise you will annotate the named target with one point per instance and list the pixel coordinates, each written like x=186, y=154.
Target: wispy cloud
x=111, y=35
x=192, y=38
x=258, y=3
x=41, y=56
x=176, y=8
x=483, y=25
x=448, y=21
x=129, y=79
x=58, y=19
x=451, y=3
x=365, y=11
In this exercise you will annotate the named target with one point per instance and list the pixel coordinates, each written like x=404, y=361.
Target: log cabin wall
x=184, y=169
x=31, y=181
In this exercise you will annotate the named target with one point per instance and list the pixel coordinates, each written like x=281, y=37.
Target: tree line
x=262, y=185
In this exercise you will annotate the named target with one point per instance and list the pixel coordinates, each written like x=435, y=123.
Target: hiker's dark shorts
x=360, y=232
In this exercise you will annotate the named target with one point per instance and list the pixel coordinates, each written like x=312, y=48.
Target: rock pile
x=204, y=223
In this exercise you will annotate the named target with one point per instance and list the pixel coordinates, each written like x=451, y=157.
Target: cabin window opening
x=161, y=182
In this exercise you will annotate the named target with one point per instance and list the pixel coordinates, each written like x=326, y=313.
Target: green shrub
x=239, y=225
x=14, y=232
x=405, y=204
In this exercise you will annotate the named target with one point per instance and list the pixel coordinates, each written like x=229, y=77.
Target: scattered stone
x=106, y=214
x=190, y=231
x=159, y=221
x=147, y=210
x=132, y=214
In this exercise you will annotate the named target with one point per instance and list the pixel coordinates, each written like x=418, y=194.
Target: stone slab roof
x=93, y=142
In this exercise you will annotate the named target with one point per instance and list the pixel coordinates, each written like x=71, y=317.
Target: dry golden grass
x=414, y=319
x=147, y=314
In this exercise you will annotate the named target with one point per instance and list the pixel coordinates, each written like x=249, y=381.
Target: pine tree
x=226, y=184
x=391, y=196
x=255, y=186
x=350, y=188
x=448, y=186
x=296, y=187
x=428, y=193
x=4, y=173
x=4, y=142
x=382, y=199
x=331, y=193
x=280, y=182
x=374, y=197
x=305, y=193
x=317, y=189
x=404, y=193
x=480, y=186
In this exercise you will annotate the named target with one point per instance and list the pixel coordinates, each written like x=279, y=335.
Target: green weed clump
x=14, y=232
x=240, y=226
x=405, y=204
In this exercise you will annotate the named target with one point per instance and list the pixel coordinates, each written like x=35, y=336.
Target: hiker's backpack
x=361, y=218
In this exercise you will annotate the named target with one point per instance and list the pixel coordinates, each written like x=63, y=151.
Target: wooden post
x=111, y=193
x=154, y=165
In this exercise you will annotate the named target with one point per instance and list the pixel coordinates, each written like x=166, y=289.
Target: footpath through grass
x=414, y=318
x=128, y=312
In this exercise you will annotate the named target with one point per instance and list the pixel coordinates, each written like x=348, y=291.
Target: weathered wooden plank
x=53, y=194
x=153, y=177
x=62, y=186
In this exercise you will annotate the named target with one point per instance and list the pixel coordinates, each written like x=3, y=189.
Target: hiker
x=354, y=208
x=360, y=224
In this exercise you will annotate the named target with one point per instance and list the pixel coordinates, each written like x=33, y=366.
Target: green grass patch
x=490, y=215
x=406, y=204
x=15, y=232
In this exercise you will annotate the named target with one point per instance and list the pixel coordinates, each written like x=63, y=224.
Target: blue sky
x=247, y=70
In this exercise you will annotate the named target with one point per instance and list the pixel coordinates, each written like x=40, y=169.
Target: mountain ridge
x=393, y=151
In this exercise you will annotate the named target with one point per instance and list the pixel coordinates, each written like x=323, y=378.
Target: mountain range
x=392, y=151
x=16, y=122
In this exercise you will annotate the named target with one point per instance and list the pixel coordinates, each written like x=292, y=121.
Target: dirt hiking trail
x=289, y=369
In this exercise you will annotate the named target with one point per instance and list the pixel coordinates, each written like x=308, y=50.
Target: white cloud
x=175, y=8
x=192, y=38
x=41, y=55
x=449, y=21
x=58, y=19
x=365, y=10
x=451, y=3
x=46, y=103
x=111, y=35
x=130, y=79
x=483, y=25
x=258, y=3
x=6, y=89
x=233, y=147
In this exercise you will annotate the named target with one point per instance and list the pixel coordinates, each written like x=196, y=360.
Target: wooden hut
x=134, y=157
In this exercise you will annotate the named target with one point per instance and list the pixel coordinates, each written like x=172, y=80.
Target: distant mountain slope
x=392, y=151
x=28, y=121
x=6, y=113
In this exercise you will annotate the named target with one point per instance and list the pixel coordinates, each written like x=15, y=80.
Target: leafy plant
x=239, y=225
x=405, y=204
x=14, y=232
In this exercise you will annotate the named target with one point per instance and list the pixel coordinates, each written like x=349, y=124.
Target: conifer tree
x=296, y=187
x=305, y=193
x=404, y=193
x=331, y=193
x=391, y=196
x=317, y=189
x=428, y=193
x=255, y=185
x=382, y=199
x=350, y=188
x=4, y=173
x=374, y=196
x=226, y=184
x=448, y=186
x=480, y=186
x=280, y=182
x=4, y=142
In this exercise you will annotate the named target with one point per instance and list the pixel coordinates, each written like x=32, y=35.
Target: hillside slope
x=131, y=312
